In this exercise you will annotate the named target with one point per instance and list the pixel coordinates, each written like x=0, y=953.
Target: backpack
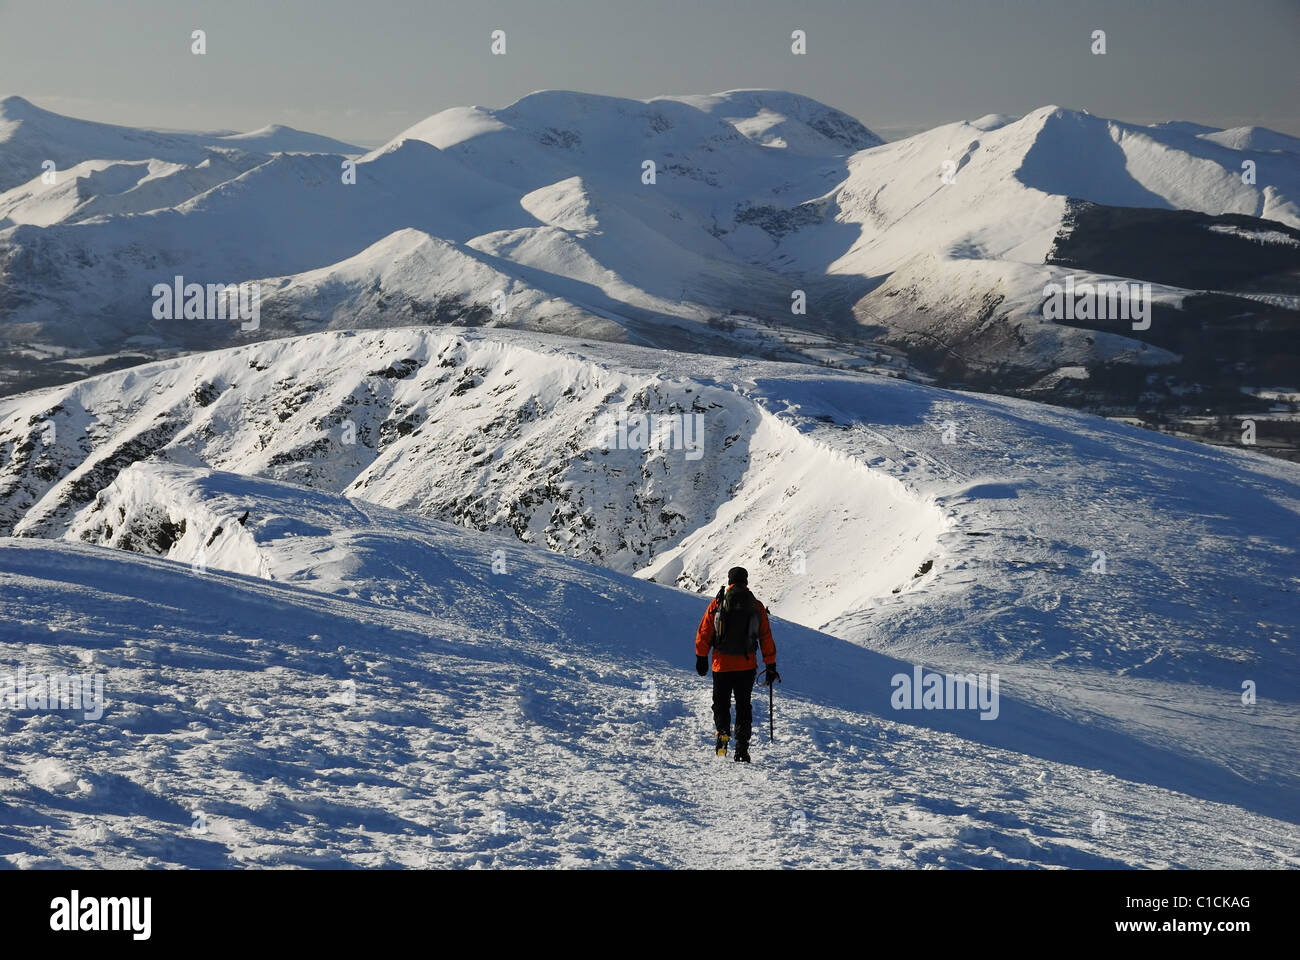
x=735, y=625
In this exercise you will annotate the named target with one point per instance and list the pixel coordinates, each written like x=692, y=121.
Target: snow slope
x=389, y=700
x=95, y=188
x=413, y=276
x=838, y=491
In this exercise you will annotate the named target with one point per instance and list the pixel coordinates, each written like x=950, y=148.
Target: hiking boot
x=721, y=745
x=742, y=751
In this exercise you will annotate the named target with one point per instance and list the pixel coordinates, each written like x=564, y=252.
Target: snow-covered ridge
x=1005, y=196
x=30, y=135
x=488, y=432
x=577, y=121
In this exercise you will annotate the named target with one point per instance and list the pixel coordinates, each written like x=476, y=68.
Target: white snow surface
x=440, y=644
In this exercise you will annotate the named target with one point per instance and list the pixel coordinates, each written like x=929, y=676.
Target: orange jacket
x=727, y=662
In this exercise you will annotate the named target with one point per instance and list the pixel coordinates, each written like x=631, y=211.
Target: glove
x=771, y=676
x=701, y=665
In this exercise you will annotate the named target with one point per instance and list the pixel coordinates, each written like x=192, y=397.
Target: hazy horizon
x=899, y=67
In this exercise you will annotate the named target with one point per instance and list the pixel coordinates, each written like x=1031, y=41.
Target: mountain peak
x=1051, y=110
x=16, y=108
x=993, y=121
x=759, y=113
x=276, y=137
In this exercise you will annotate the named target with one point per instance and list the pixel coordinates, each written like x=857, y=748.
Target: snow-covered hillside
x=407, y=693
x=1124, y=586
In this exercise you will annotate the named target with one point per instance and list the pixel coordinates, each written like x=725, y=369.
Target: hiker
x=735, y=625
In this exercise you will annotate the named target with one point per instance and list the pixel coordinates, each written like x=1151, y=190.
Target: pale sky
x=363, y=71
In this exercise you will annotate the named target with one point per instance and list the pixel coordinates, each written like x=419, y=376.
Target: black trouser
x=741, y=683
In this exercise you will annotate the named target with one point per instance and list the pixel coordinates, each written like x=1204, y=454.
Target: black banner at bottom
x=335, y=909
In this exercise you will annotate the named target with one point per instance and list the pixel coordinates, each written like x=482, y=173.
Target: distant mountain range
x=700, y=223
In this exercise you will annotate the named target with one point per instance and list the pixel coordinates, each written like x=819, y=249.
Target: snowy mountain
x=548, y=190
x=433, y=550
x=1060, y=196
x=930, y=254
x=29, y=136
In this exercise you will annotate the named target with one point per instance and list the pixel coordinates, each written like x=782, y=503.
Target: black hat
x=738, y=575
